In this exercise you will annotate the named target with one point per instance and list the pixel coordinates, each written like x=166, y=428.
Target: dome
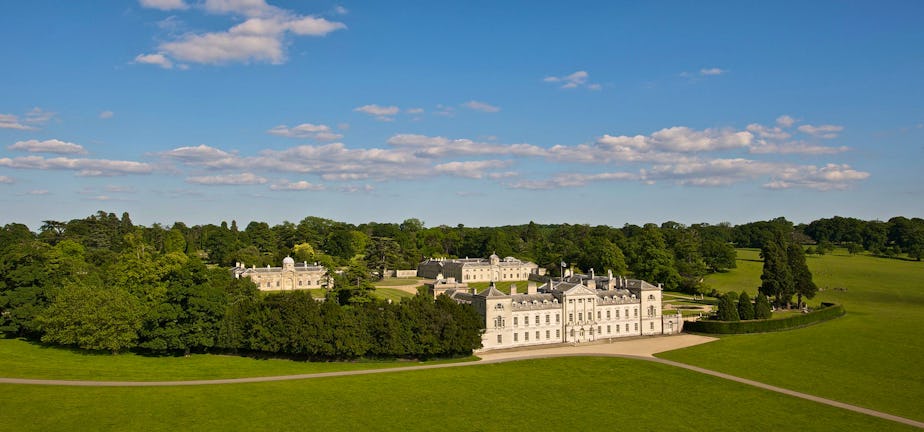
x=288, y=261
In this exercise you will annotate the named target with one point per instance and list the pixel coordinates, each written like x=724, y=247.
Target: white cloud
x=227, y=179
x=481, y=106
x=762, y=131
x=39, y=116
x=680, y=139
x=821, y=131
x=354, y=188
x=48, y=146
x=296, y=186
x=7, y=180
x=470, y=169
x=340, y=10
x=261, y=37
x=711, y=71
x=785, y=121
x=154, y=59
x=38, y=192
x=574, y=80
x=106, y=115
x=435, y=147
x=571, y=180
x=84, y=167
x=795, y=147
x=202, y=155
x=381, y=113
x=828, y=177
x=164, y=4
x=306, y=130
x=414, y=110
x=10, y=121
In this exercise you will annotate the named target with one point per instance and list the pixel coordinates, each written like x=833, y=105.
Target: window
x=635, y=311
x=651, y=326
x=599, y=330
x=526, y=336
x=570, y=317
x=617, y=328
x=598, y=314
x=557, y=320
x=627, y=328
x=651, y=297
x=299, y=282
x=515, y=336
x=548, y=319
x=591, y=331
x=498, y=307
x=515, y=320
x=607, y=314
x=526, y=320
x=636, y=326
x=572, y=332
x=500, y=339
x=608, y=330
x=277, y=283
x=537, y=319
x=547, y=334
x=580, y=316
x=617, y=313
x=558, y=333
x=537, y=335
x=651, y=310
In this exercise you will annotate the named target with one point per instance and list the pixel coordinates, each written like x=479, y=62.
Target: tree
x=776, y=279
x=801, y=276
x=727, y=311
x=745, y=308
x=92, y=318
x=762, y=307
x=719, y=255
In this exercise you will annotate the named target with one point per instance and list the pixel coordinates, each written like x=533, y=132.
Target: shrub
x=826, y=312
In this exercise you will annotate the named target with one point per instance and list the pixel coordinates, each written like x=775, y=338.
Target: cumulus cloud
x=381, y=113
x=261, y=37
x=481, y=106
x=435, y=147
x=574, y=80
x=296, y=186
x=48, y=146
x=785, y=121
x=227, y=179
x=84, y=167
x=821, y=131
x=164, y=4
x=306, y=130
x=36, y=116
x=38, y=192
x=712, y=71
x=572, y=180
x=7, y=180
x=795, y=147
x=828, y=177
x=106, y=115
x=154, y=59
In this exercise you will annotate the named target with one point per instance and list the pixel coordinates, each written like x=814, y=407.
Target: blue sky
x=480, y=113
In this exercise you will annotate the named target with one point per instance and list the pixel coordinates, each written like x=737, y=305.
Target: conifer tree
x=802, y=277
x=745, y=308
x=762, y=307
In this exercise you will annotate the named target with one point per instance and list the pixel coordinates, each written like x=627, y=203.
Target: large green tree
x=801, y=276
x=93, y=318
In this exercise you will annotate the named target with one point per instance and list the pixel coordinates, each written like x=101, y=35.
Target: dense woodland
x=104, y=283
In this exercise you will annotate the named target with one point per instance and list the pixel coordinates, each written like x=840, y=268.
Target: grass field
x=599, y=394
x=870, y=357
x=392, y=294
x=20, y=359
x=399, y=282
x=503, y=286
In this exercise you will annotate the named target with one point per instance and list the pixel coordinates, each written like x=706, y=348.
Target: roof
x=492, y=291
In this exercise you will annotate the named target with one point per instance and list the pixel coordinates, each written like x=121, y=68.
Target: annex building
x=478, y=269
x=291, y=276
x=572, y=309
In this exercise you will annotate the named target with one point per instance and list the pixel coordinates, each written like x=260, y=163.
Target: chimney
x=530, y=287
x=513, y=289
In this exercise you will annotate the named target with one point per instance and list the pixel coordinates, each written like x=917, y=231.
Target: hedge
x=826, y=312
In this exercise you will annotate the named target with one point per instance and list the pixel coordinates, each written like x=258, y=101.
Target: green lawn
x=392, y=294
x=20, y=359
x=587, y=394
x=399, y=282
x=871, y=357
x=503, y=286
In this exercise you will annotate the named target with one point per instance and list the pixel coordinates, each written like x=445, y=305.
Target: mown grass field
x=503, y=286
x=392, y=294
x=20, y=359
x=598, y=394
x=870, y=357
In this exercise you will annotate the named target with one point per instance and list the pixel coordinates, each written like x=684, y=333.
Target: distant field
x=399, y=282
x=392, y=294
x=598, y=394
x=870, y=357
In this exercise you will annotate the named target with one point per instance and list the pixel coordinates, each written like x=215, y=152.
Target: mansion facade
x=291, y=276
x=572, y=309
x=489, y=269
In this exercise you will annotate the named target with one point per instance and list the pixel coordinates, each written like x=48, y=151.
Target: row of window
x=548, y=319
x=608, y=315
x=309, y=283
x=548, y=333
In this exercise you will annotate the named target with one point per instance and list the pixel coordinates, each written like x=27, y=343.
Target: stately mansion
x=478, y=269
x=571, y=309
x=291, y=276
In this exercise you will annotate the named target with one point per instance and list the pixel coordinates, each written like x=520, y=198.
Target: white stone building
x=466, y=270
x=291, y=276
x=570, y=310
